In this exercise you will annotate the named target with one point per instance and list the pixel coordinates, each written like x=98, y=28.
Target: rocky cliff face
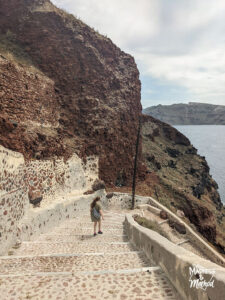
x=66, y=89
x=188, y=114
x=180, y=179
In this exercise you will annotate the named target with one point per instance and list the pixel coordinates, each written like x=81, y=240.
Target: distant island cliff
x=192, y=113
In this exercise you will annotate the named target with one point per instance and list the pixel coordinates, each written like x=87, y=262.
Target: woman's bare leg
x=95, y=225
x=99, y=225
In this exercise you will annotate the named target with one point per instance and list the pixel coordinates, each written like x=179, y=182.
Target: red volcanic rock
x=109, y=195
x=98, y=185
x=192, y=192
x=173, y=134
x=35, y=197
x=88, y=192
x=180, y=228
x=202, y=218
x=168, y=131
x=83, y=97
x=163, y=215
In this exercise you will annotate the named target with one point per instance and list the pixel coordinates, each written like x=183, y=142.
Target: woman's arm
x=101, y=214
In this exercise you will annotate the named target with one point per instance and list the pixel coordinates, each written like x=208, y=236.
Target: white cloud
x=180, y=42
x=124, y=21
x=202, y=74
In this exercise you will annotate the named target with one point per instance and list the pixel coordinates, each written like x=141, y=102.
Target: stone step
x=90, y=225
x=83, y=237
x=107, y=217
x=113, y=213
x=72, y=263
x=110, y=213
x=86, y=231
x=65, y=246
x=99, y=272
x=138, y=285
x=88, y=220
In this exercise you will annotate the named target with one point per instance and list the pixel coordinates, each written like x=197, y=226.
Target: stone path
x=70, y=263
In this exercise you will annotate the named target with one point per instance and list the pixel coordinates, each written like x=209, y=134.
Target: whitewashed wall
x=54, y=179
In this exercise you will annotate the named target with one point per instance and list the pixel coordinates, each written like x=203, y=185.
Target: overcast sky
x=178, y=45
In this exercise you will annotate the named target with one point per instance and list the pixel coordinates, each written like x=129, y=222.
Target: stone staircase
x=70, y=263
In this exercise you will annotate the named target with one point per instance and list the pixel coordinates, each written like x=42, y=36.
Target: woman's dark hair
x=94, y=202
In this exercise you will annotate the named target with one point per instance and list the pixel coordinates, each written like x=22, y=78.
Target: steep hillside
x=188, y=114
x=184, y=179
x=90, y=100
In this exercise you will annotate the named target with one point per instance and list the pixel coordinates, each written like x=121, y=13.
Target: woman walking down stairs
x=70, y=263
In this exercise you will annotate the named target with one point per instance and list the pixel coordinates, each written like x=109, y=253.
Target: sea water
x=209, y=140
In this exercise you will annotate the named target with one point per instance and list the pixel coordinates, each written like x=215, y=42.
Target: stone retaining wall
x=123, y=200
x=176, y=262
x=43, y=219
x=52, y=179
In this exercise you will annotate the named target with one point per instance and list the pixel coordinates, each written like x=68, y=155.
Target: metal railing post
x=135, y=163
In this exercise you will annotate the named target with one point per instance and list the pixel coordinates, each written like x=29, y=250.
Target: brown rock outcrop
x=163, y=215
x=29, y=111
x=84, y=87
x=98, y=185
x=184, y=184
x=178, y=226
x=35, y=198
